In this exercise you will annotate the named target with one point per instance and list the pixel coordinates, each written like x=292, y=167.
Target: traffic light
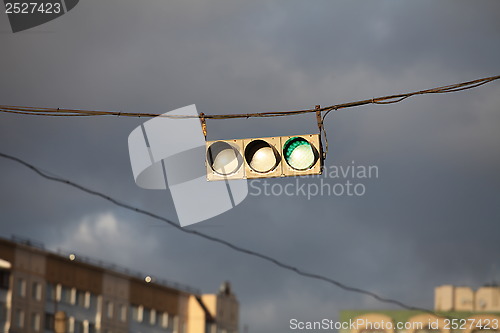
x=283, y=156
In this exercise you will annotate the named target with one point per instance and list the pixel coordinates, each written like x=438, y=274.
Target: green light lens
x=299, y=153
x=224, y=159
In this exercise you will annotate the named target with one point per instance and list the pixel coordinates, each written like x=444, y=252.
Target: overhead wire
x=62, y=112
x=230, y=245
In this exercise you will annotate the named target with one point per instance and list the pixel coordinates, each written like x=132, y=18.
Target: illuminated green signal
x=299, y=153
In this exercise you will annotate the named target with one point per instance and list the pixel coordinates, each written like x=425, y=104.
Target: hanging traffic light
x=264, y=157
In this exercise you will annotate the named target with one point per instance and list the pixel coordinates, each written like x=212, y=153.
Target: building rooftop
x=73, y=256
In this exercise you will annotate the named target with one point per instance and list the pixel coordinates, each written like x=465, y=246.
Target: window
x=152, y=317
x=80, y=298
x=136, y=313
x=90, y=300
x=66, y=295
x=146, y=314
x=21, y=288
x=36, y=291
x=73, y=296
x=4, y=279
x=70, y=325
x=3, y=314
x=176, y=324
x=164, y=320
x=51, y=292
x=92, y=328
x=78, y=328
x=35, y=322
x=19, y=320
x=109, y=309
x=123, y=313
x=49, y=322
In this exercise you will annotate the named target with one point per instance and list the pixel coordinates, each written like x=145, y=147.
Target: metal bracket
x=203, y=125
x=318, y=118
x=320, y=127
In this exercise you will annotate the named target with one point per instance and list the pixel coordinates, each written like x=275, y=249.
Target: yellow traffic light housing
x=284, y=156
x=262, y=157
x=301, y=155
x=224, y=160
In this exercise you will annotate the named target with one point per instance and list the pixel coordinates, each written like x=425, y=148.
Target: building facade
x=43, y=291
x=453, y=298
x=456, y=310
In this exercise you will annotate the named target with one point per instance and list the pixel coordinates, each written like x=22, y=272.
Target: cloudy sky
x=431, y=217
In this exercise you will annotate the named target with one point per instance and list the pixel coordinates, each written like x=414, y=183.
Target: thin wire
x=214, y=239
x=379, y=100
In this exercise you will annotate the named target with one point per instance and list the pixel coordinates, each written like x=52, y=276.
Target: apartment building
x=457, y=309
x=462, y=298
x=44, y=291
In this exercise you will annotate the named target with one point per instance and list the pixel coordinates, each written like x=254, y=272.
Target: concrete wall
x=115, y=296
x=488, y=299
x=196, y=316
x=451, y=298
x=444, y=298
x=464, y=299
x=28, y=291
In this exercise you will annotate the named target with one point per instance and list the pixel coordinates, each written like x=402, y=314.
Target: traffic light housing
x=281, y=156
x=224, y=159
x=302, y=155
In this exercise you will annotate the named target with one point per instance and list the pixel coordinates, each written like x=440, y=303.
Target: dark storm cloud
x=430, y=218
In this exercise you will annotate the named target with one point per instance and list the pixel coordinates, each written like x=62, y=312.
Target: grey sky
x=432, y=216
